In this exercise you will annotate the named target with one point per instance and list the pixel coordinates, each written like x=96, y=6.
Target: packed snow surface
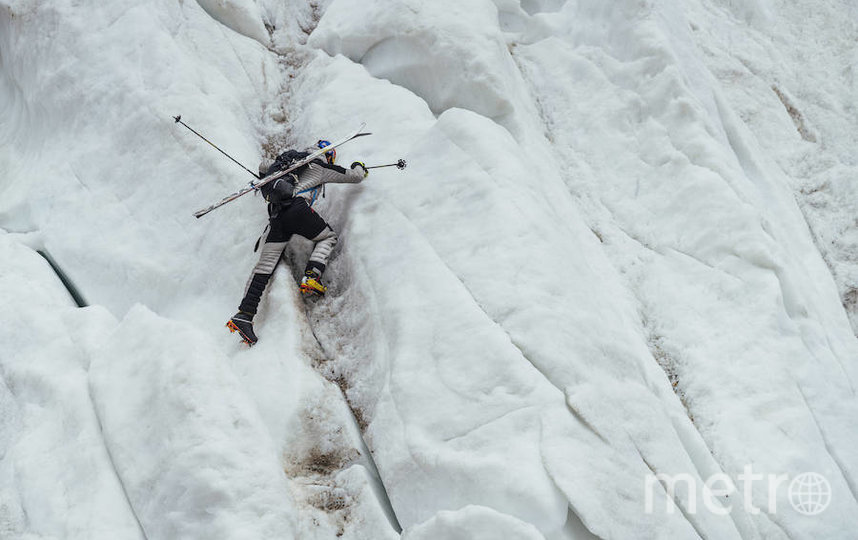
x=619, y=273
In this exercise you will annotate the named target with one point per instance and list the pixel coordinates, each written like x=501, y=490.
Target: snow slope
x=58, y=480
x=623, y=246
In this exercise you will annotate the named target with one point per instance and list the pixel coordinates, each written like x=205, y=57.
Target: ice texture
x=624, y=245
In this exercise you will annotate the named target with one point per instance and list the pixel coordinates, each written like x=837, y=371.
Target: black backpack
x=287, y=158
x=279, y=192
x=284, y=161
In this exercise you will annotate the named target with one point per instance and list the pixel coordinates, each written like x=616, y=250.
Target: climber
x=290, y=200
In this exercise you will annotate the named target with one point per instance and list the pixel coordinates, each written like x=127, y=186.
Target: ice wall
x=696, y=223
x=594, y=268
x=156, y=440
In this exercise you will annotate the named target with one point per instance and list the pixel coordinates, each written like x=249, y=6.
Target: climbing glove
x=362, y=166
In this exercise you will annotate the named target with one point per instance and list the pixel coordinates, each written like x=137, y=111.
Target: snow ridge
x=624, y=246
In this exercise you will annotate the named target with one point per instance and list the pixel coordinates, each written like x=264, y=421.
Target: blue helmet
x=331, y=154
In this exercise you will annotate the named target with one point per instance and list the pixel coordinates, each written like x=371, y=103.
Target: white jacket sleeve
x=317, y=174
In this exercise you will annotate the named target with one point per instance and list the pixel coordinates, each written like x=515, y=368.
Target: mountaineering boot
x=243, y=323
x=311, y=283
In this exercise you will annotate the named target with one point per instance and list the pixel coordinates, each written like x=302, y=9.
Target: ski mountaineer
x=290, y=200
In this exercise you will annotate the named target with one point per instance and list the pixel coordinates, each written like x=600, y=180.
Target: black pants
x=295, y=217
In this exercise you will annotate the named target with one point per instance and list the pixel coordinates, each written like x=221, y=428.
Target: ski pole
x=178, y=120
x=399, y=165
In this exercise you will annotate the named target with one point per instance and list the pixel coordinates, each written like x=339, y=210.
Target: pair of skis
x=256, y=184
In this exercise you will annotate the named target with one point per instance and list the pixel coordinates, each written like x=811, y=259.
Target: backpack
x=279, y=192
x=287, y=158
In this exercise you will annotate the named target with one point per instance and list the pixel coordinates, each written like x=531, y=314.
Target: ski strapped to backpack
x=256, y=184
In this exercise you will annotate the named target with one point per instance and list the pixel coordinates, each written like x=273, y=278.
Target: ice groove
x=379, y=488
x=113, y=463
x=676, y=501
